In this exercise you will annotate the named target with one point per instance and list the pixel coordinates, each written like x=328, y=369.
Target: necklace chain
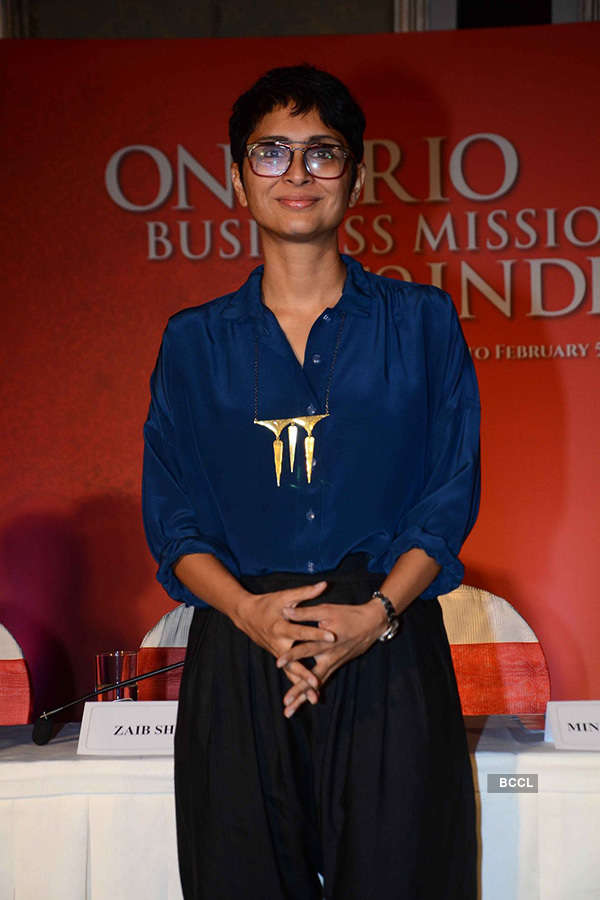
x=329, y=377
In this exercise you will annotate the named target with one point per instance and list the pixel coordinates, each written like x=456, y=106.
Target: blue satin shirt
x=396, y=462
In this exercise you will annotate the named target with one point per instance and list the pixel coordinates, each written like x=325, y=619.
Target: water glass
x=113, y=666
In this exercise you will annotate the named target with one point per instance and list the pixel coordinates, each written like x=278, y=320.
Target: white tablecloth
x=104, y=828
x=75, y=827
x=543, y=846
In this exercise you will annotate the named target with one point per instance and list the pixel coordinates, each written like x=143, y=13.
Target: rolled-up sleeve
x=443, y=515
x=174, y=525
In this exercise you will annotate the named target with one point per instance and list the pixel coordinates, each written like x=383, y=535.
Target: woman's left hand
x=356, y=628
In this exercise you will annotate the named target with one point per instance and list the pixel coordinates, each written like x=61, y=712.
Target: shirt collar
x=356, y=297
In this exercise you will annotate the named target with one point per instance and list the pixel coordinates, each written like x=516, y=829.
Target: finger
x=304, y=592
x=297, y=690
x=301, y=688
x=289, y=711
x=296, y=672
x=306, y=613
x=302, y=651
x=291, y=708
x=324, y=668
x=310, y=633
x=296, y=679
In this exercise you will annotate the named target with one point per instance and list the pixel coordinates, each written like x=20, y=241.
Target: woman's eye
x=323, y=152
x=272, y=151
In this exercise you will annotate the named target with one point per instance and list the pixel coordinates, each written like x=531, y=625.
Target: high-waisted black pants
x=372, y=787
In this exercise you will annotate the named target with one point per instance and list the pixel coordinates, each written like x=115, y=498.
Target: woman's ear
x=359, y=181
x=238, y=185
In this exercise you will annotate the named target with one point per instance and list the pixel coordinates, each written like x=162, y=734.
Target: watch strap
x=392, y=616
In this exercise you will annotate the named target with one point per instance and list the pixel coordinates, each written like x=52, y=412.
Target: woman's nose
x=297, y=172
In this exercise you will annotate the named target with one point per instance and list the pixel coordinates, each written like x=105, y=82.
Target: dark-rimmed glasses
x=273, y=158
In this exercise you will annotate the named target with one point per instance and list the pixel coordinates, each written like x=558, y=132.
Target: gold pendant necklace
x=277, y=426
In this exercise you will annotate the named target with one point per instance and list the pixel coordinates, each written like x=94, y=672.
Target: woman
x=311, y=472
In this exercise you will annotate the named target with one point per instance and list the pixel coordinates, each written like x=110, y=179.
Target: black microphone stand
x=43, y=726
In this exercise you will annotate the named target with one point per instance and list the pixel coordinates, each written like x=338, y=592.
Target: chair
x=164, y=644
x=499, y=663
x=15, y=683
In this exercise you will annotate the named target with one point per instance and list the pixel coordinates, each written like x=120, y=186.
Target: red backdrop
x=482, y=148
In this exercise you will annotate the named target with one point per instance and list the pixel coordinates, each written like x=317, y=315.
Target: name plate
x=128, y=728
x=573, y=724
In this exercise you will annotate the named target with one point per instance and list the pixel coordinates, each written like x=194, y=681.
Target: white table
x=543, y=846
x=104, y=828
x=75, y=827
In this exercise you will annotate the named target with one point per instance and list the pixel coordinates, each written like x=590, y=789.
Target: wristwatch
x=392, y=617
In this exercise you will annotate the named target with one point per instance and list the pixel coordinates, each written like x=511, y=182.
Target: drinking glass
x=113, y=666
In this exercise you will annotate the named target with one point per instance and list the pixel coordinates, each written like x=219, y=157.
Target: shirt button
x=326, y=317
x=310, y=409
x=311, y=515
x=310, y=566
x=316, y=358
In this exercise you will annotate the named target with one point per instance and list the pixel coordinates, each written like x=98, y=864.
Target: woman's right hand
x=261, y=617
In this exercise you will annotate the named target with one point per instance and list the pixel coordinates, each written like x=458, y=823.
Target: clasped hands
x=275, y=620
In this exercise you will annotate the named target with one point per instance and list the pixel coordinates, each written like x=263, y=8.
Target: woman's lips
x=297, y=202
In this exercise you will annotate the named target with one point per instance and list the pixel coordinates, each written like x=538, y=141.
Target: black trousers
x=372, y=787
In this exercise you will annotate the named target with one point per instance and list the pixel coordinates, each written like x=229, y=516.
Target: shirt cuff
x=181, y=547
x=452, y=570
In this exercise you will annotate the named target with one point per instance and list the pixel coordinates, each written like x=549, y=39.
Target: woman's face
x=296, y=206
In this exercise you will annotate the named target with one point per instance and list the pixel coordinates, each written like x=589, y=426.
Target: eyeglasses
x=273, y=158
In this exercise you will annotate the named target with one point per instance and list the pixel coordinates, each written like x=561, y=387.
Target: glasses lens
x=269, y=159
x=325, y=160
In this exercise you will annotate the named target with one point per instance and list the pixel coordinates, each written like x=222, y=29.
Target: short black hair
x=305, y=88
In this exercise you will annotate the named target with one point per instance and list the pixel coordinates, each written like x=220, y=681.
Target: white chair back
x=172, y=629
